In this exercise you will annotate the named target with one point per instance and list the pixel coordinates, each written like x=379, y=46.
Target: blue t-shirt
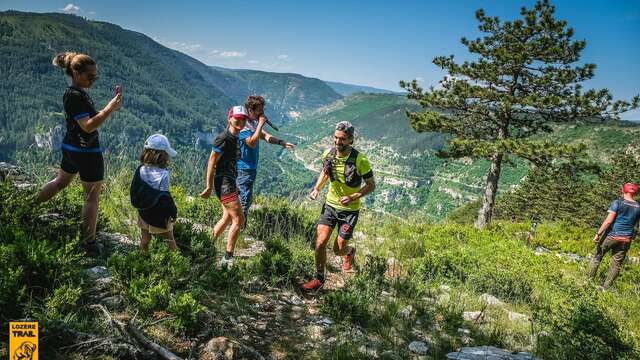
x=627, y=216
x=248, y=155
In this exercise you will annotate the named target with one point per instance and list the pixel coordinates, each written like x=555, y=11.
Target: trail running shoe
x=348, y=261
x=226, y=262
x=314, y=285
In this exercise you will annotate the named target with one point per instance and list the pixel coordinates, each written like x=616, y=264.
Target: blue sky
x=376, y=43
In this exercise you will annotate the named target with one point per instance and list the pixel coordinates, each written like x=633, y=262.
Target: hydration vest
x=351, y=176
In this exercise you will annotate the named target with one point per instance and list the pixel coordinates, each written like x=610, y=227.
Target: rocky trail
x=264, y=322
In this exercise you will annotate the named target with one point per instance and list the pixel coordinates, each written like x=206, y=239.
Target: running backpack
x=351, y=176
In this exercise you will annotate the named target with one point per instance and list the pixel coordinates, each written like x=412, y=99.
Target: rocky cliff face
x=51, y=139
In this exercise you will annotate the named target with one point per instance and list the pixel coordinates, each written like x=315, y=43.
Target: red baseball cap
x=238, y=112
x=630, y=188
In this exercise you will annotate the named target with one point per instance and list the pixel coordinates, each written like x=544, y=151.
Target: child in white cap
x=150, y=192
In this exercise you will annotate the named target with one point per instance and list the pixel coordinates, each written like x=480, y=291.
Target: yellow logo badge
x=23, y=340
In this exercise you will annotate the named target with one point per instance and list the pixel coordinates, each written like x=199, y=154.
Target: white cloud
x=186, y=47
x=181, y=46
x=232, y=54
x=253, y=62
x=284, y=57
x=71, y=9
x=227, y=54
x=419, y=78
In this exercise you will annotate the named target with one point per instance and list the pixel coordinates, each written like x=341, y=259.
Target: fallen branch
x=159, y=350
x=84, y=343
x=143, y=340
x=156, y=322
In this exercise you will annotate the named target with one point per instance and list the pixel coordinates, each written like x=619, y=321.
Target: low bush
x=282, y=263
x=580, y=327
x=186, y=309
x=39, y=249
x=355, y=302
x=63, y=301
x=275, y=217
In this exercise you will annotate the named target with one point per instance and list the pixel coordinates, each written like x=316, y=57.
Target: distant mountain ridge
x=165, y=90
x=287, y=94
x=168, y=91
x=350, y=89
x=411, y=179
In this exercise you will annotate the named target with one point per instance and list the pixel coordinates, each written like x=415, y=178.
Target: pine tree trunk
x=490, y=190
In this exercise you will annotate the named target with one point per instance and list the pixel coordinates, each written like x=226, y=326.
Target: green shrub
x=64, y=300
x=12, y=287
x=158, y=263
x=349, y=305
x=195, y=244
x=355, y=301
x=186, y=309
x=38, y=252
x=449, y=264
x=203, y=211
x=149, y=295
x=151, y=277
x=279, y=265
x=580, y=328
x=277, y=217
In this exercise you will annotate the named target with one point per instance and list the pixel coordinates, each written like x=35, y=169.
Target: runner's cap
x=159, y=142
x=630, y=188
x=238, y=112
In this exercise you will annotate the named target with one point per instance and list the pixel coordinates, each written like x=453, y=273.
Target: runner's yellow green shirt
x=338, y=189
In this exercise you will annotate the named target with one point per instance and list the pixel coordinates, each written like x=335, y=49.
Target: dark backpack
x=351, y=176
x=154, y=206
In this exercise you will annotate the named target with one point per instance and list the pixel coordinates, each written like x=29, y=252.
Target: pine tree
x=524, y=80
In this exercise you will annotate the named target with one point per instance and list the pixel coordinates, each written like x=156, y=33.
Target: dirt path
x=275, y=322
x=282, y=323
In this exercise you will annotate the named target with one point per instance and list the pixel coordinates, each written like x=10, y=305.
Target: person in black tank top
x=81, y=152
x=221, y=179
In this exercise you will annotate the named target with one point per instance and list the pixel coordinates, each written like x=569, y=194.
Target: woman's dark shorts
x=89, y=165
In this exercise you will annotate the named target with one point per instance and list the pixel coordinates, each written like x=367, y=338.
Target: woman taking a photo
x=81, y=152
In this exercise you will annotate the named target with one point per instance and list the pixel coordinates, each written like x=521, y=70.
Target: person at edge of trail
x=221, y=177
x=616, y=233
x=249, y=149
x=81, y=152
x=347, y=169
x=150, y=194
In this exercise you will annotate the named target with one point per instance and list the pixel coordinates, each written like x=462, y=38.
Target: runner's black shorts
x=226, y=189
x=346, y=220
x=90, y=165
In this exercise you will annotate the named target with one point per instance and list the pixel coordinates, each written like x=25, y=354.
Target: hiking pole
x=270, y=123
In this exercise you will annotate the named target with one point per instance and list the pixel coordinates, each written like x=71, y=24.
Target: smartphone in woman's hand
x=118, y=90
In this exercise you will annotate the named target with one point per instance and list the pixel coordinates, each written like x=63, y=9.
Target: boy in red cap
x=221, y=177
x=619, y=227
